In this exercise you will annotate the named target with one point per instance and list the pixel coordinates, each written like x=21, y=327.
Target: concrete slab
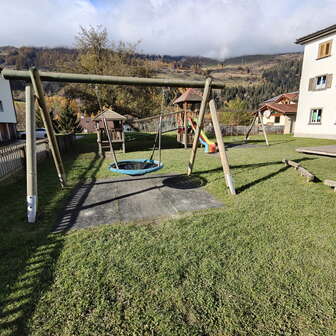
x=329, y=150
x=134, y=199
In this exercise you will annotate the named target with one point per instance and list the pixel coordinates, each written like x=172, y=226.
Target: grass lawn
x=265, y=264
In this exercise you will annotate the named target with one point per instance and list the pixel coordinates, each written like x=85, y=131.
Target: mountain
x=251, y=77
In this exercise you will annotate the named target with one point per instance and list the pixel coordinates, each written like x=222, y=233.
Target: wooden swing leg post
x=247, y=135
x=39, y=94
x=31, y=166
x=185, y=126
x=205, y=98
x=110, y=143
x=263, y=127
x=221, y=148
x=99, y=142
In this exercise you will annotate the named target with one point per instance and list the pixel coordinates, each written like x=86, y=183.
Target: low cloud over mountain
x=214, y=28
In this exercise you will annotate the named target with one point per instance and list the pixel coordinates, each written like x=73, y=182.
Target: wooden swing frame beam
x=34, y=79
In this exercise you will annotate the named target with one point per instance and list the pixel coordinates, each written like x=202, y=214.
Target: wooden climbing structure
x=115, y=127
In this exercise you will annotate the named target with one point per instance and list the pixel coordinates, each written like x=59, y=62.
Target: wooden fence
x=13, y=157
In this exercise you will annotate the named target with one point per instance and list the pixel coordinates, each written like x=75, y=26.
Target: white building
x=316, y=115
x=7, y=113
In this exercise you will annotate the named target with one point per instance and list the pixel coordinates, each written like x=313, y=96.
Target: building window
x=1, y=107
x=276, y=120
x=315, y=116
x=324, y=49
x=321, y=82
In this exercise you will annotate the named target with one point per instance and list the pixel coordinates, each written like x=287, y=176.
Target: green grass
x=262, y=265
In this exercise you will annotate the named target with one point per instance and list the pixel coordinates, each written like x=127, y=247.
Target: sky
x=210, y=28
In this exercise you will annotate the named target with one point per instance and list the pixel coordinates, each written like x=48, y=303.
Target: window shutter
x=329, y=81
x=320, y=50
x=312, y=84
x=329, y=47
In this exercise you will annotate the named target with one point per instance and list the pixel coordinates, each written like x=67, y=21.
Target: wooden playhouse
x=188, y=104
x=115, y=127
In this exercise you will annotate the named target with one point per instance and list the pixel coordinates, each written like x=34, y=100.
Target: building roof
x=273, y=99
x=108, y=114
x=317, y=35
x=281, y=108
x=291, y=96
x=191, y=95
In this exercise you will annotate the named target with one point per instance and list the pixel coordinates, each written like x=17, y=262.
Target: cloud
x=44, y=22
x=214, y=28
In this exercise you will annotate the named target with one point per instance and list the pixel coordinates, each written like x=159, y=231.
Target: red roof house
x=281, y=111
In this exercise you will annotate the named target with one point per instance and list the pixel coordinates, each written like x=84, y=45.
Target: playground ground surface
x=263, y=264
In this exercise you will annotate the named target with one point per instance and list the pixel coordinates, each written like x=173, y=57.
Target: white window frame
x=311, y=122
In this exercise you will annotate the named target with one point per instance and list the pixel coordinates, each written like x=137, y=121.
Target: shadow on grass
x=254, y=166
x=262, y=179
x=29, y=252
x=281, y=142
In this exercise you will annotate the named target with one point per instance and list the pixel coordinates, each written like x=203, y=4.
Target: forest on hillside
x=95, y=53
x=281, y=78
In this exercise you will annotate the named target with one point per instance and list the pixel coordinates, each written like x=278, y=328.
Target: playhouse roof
x=108, y=114
x=191, y=95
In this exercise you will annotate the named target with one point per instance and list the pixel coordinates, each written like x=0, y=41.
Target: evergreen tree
x=67, y=121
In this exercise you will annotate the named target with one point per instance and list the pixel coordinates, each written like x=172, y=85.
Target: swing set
x=138, y=166
x=34, y=91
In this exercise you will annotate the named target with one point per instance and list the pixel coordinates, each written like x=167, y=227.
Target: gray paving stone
x=133, y=199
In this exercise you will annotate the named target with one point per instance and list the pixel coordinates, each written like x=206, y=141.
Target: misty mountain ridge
x=23, y=57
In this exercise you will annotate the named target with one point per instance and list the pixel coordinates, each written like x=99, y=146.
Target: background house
x=316, y=116
x=7, y=114
x=281, y=111
x=87, y=124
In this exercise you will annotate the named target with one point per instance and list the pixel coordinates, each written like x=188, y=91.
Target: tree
x=98, y=55
x=67, y=120
x=236, y=112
